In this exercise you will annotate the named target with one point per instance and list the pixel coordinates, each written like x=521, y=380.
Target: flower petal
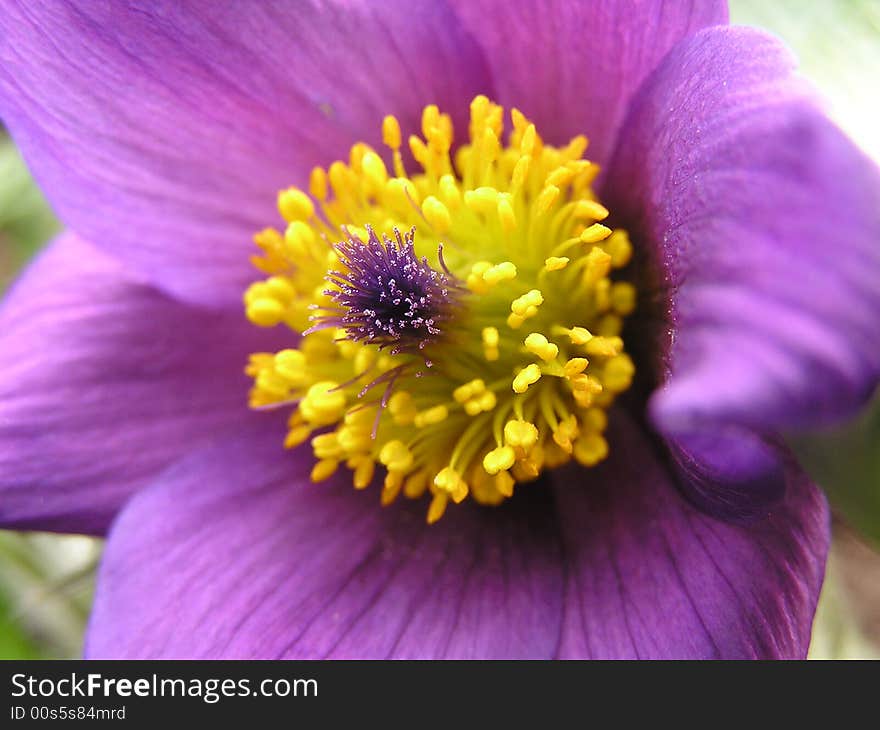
x=162, y=132
x=759, y=223
x=762, y=218
x=105, y=382
x=572, y=66
x=650, y=577
x=232, y=554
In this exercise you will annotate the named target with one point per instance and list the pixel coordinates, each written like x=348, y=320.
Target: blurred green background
x=46, y=580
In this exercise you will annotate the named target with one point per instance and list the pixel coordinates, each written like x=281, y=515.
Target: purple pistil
x=388, y=296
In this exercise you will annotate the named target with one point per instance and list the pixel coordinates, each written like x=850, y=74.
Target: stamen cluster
x=507, y=285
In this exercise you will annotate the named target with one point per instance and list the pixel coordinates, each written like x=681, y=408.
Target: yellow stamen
x=521, y=377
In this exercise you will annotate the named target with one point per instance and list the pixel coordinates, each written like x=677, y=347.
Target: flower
x=163, y=136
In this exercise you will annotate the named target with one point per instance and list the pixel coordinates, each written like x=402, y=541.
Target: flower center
x=460, y=324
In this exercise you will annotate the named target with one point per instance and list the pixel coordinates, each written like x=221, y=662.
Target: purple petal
x=650, y=577
x=760, y=226
x=105, y=382
x=572, y=67
x=163, y=131
x=763, y=221
x=233, y=554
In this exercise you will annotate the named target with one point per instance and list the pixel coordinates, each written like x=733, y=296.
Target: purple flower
x=162, y=137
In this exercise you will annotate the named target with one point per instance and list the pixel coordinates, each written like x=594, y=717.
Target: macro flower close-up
x=437, y=329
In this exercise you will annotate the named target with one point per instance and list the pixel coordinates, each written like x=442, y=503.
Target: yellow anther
x=431, y=416
x=480, y=403
x=342, y=180
x=374, y=168
x=560, y=177
x=506, y=214
x=475, y=279
x=595, y=419
x=437, y=507
x=504, y=483
x=578, y=335
x=420, y=151
x=595, y=233
x=490, y=337
x=272, y=385
x=416, y=484
x=430, y=120
x=359, y=417
x=450, y=193
x=356, y=155
x=529, y=375
x=522, y=434
x=623, y=297
x=618, y=245
x=402, y=408
x=298, y=237
x=326, y=446
x=364, y=468
x=590, y=209
x=323, y=404
x=598, y=264
x=530, y=136
x=364, y=359
x=295, y=205
x=324, y=469
x=402, y=193
x=396, y=456
x=537, y=344
x=546, y=199
x=449, y=480
x=555, y=263
x=575, y=366
x=265, y=312
x=291, y=365
x=604, y=346
x=505, y=271
x=464, y=393
x=354, y=438
x=436, y=214
x=296, y=436
x=522, y=305
x=318, y=183
x=490, y=343
x=499, y=459
x=482, y=200
x=590, y=449
x=576, y=147
x=391, y=487
x=520, y=172
x=586, y=383
x=618, y=373
x=391, y=132
x=565, y=433
x=515, y=321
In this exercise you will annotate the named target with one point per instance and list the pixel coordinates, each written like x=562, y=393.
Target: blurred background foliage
x=46, y=581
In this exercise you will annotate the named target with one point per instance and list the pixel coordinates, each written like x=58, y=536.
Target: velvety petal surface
x=649, y=576
x=762, y=221
x=572, y=67
x=233, y=554
x=105, y=382
x=758, y=222
x=162, y=131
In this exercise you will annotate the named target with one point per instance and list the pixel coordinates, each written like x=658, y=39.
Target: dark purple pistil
x=388, y=296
